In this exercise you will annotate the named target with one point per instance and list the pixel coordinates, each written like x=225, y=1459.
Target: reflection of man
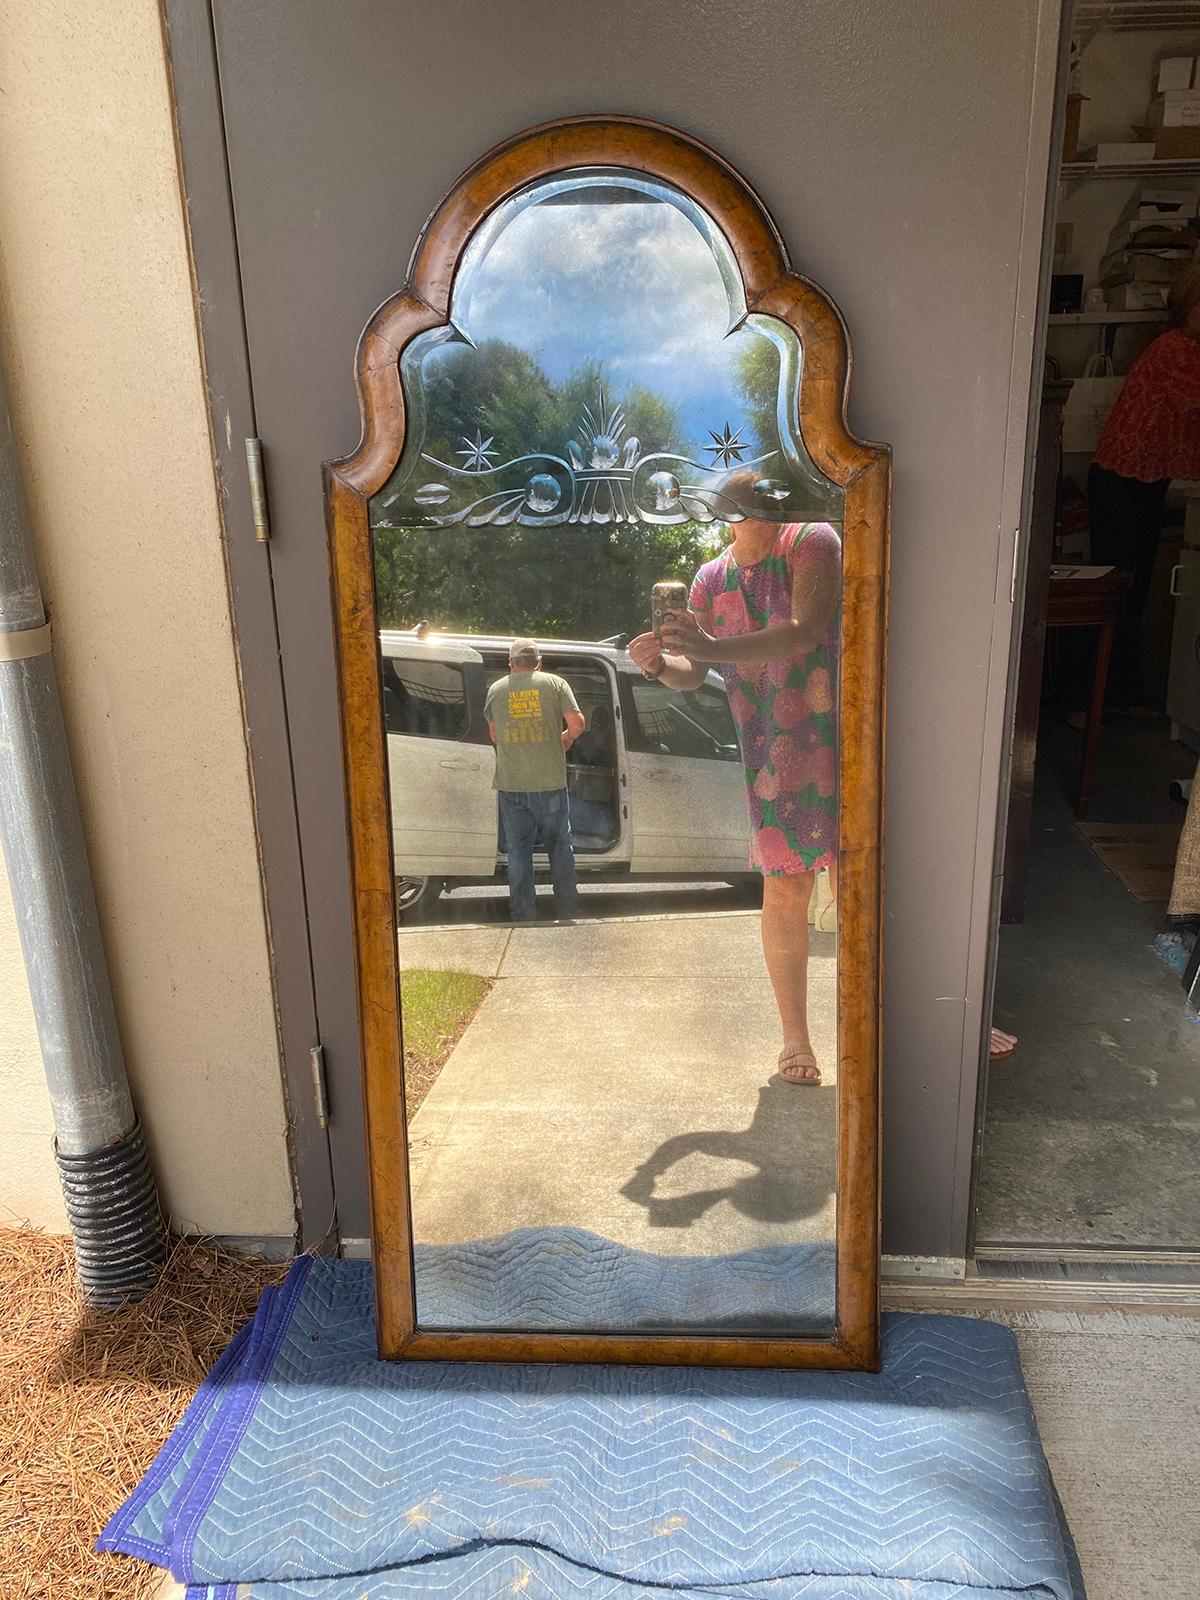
x=526, y=713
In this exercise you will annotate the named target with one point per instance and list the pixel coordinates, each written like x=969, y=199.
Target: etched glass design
x=601, y=366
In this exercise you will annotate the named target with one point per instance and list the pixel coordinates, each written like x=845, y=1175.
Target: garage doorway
x=1086, y=1165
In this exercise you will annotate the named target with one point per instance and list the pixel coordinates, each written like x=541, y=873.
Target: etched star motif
x=726, y=448
x=477, y=457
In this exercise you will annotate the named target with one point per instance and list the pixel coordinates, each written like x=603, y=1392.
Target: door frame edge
x=1036, y=258
x=194, y=93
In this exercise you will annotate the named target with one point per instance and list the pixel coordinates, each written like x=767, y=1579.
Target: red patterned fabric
x=785, y=711
x=1153, y=431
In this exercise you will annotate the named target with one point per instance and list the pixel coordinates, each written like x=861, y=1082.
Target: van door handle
x=460, y=765
x=1176, y=576
x=660, y=776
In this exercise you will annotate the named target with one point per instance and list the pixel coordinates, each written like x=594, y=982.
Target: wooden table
x=1089, y=603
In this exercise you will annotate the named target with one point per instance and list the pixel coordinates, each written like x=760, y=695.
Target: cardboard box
x=1138, y=297
x=1156, y=235
x=1178, y=108
x=1138, y=267
x=1174, y=72
x=1174, y=144
x=1124, y=154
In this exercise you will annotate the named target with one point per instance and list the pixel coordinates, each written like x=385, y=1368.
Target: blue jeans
x=539, y=818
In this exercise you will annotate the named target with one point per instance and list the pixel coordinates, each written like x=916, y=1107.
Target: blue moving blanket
x=540, y=1279
x=306, y=1469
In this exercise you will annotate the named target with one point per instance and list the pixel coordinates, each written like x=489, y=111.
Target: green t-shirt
x=527, y=708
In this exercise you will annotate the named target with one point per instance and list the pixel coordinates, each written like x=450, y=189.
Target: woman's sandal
x=798, y=1059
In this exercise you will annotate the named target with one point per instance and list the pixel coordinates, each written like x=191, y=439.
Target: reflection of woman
x=766, y=611
x=1152, y=435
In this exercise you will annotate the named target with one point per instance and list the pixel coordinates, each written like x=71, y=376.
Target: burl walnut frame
x=864, y=473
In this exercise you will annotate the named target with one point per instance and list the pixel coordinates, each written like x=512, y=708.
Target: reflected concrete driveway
x=620, y=1077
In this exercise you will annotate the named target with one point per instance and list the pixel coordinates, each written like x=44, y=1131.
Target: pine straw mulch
x=87, y=1398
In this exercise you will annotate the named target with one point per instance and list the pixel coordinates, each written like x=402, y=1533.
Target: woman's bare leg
x=785, y=946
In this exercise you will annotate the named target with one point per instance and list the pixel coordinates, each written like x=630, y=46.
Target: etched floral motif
x=726, y=448
x=606, y=478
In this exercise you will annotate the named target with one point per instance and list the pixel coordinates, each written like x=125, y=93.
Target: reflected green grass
x=437, y=1008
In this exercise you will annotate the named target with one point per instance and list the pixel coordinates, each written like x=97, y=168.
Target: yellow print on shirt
x=524, y=702
x=537, y=734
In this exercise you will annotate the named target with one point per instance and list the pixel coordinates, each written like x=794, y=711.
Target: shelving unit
x=1131, y=169
x=1117, y=80
x=1102, y=319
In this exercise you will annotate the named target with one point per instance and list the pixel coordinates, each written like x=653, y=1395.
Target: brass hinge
x=316, y=1057
x=258, y=490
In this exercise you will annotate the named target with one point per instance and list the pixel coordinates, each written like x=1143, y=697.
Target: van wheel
x=416, y=896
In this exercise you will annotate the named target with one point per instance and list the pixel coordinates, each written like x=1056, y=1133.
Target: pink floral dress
x=785, y=711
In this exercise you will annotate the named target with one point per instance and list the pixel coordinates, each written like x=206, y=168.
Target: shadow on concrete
x=791, y=1180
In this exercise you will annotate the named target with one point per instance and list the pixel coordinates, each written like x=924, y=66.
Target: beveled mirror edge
x=863, y=471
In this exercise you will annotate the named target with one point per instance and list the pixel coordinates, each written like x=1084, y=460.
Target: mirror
x=608, y=574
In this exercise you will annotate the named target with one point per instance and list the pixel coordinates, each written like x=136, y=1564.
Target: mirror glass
x=609, y=587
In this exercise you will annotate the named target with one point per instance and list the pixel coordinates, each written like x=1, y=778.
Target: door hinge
x=316, y=1058
x=258, y=490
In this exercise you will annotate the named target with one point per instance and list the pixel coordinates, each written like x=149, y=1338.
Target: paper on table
x=1078, y=572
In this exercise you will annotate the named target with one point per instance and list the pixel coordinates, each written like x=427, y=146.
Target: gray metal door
x=317, y=138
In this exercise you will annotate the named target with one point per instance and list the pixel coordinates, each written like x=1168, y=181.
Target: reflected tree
x=568, y=581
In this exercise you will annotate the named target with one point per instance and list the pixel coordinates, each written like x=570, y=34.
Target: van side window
x=697, y=722
x=426, y=698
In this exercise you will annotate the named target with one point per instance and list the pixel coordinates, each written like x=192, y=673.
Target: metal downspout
x=110, y=1195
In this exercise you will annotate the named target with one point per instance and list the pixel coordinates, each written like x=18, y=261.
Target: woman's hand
x=646, y=652
x=681, y=631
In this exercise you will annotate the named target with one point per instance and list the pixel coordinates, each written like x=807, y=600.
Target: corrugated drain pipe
x=110, y=1195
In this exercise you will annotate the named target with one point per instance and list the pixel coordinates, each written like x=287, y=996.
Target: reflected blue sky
x=632, y=285
x=584, y=293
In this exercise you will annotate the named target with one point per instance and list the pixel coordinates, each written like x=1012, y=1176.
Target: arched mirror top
x=600, y=364
x=604, y=168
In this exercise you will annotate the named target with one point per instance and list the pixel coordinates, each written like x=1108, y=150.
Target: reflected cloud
x=631, y=287
x=587, y=295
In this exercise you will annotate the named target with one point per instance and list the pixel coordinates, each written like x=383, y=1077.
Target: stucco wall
x=100, y=343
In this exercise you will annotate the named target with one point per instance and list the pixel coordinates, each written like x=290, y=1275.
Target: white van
x=655, y=780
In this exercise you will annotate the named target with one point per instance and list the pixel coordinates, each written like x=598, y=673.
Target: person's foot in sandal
x=797, y=1064
x=1001, y=1045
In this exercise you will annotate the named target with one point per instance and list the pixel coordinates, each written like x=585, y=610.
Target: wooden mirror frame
x=863, y=471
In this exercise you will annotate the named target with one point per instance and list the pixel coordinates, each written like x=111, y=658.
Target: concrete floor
x=1117, y=1399
x=1091, y=1126
x=620, y=1078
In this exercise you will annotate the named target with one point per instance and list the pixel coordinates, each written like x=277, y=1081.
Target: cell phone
x=666, y=598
